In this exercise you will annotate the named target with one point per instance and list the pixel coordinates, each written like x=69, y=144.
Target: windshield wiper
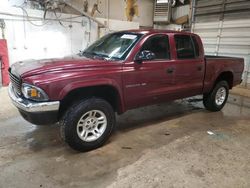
x=98, y=56
x=95, y=55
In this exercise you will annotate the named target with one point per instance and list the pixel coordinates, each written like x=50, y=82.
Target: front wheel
x=88, y=124
x=217, y=98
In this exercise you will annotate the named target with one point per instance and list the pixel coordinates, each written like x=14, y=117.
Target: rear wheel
x=216, y=99
x=88, y=124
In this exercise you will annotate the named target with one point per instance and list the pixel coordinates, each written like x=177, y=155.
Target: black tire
x=209, y=100
x=72, y=116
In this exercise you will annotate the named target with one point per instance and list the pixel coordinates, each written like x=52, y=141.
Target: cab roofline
x=151, y=31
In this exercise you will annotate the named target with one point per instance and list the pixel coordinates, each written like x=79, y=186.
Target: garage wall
x=116, y=25
x=109, y=9
x=35, y=38
x=177, y=13
x=224, y=26
x=115, y=9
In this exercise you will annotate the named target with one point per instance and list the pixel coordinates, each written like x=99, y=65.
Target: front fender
x=90, y=83
x=81, y=84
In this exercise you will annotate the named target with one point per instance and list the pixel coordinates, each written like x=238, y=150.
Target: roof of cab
x=152, y=31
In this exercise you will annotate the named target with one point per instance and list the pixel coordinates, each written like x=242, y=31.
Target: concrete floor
x=165, y=145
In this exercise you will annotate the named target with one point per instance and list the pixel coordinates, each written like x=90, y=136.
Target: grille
x=16, y=82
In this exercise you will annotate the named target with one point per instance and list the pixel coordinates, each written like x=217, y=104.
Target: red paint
x=137, y=84
x=4, y=58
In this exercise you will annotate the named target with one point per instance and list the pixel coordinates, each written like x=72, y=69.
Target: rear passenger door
x=189, y=66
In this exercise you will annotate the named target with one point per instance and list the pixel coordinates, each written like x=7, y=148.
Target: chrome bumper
x=31, y=106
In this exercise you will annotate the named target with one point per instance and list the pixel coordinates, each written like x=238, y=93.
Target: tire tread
x=67, y=124
x=209, y=98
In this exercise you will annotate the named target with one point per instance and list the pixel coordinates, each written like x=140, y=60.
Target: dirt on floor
x=242, y=91
x=177, y=144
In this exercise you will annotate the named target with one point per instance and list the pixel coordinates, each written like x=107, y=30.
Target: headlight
x=34, y=93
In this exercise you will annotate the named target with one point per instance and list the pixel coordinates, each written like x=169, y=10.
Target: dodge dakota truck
x=121, y=71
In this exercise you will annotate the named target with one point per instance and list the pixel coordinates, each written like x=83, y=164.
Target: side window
x=196, y=46
x=159, y=45
x=184, y=47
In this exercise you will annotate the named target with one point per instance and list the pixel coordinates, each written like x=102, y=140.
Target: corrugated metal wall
x=224, y=26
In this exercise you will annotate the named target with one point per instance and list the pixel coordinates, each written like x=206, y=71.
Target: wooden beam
x=100, y=24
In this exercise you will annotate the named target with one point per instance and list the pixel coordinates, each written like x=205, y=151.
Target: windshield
x=114, y=46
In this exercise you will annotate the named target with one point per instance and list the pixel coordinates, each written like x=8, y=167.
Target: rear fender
x=213, y=82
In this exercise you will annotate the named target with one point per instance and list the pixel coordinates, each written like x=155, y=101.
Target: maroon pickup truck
x=120, y=71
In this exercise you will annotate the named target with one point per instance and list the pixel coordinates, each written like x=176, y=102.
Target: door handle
x=170, y=70
x=199, y=68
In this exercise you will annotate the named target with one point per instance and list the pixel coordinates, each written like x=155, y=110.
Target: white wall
x=26, y=41
x=169, y=27
x=117, y=25
x=110, y=9
x=115, y=9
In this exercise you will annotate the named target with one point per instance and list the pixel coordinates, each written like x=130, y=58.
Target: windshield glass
x=113, y=46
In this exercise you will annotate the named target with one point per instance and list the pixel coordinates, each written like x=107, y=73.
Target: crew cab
x=121, y=71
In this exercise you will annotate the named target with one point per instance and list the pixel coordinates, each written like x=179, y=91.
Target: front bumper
x=40, y=113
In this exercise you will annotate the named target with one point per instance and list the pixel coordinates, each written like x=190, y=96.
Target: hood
x=35, y=67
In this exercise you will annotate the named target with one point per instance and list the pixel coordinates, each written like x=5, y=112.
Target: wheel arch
x=104, y=91
x=226, y=76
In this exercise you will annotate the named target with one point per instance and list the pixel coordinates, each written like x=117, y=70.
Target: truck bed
x=217, y=64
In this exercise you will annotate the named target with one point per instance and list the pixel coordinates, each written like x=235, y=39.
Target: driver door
x=147, y=82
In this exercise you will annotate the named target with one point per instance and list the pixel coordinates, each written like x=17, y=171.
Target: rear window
x=184, y=47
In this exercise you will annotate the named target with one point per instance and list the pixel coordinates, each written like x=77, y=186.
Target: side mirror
x=144, y=55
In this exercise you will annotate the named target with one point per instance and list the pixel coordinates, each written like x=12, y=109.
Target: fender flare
x=93, y=83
